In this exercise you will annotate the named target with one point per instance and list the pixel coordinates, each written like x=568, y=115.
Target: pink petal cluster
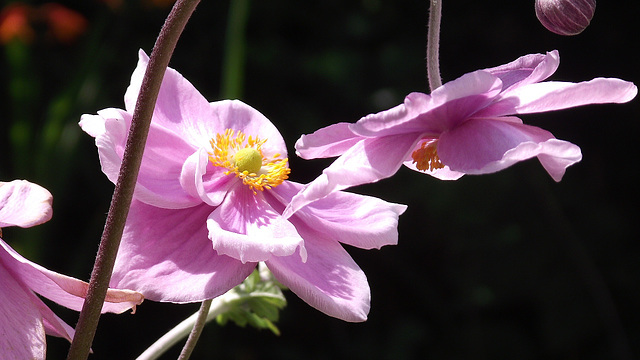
x=24, y=318
x=198, y=226
x=466, y=126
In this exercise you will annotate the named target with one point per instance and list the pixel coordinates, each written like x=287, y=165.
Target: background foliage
x=505, y=266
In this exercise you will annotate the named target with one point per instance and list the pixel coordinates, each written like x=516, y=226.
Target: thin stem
x=235, y=44
x=123, y=193
x=196, y=330
x=219, y=305
x=433, y=45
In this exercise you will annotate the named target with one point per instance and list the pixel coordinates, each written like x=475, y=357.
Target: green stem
x=219, y=305
x=433, y=45
x=123, y=193
x=235, y=45
x=196, y=330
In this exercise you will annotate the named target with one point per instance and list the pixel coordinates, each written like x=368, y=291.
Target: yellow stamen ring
x=244, y=158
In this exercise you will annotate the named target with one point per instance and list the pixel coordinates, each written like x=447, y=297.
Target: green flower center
x=248, y=159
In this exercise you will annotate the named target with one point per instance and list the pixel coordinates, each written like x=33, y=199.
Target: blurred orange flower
x=14, y=23
x=64, y=24
x=17, y=21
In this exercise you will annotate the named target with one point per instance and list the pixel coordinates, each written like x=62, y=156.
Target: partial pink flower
x=25, y=319
x=466, y=126
x=207, y=206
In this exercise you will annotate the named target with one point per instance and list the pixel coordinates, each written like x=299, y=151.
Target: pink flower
x=208, y=204
x=24, y=318
x=466, y=126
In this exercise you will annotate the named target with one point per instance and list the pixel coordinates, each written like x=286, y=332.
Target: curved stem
x=433, y=45
x=123, y=193
x=219, y=305
x=196, y=330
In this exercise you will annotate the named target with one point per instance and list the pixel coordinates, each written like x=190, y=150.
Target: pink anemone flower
x=24, y=318
x=208, y=202
x=466, y=126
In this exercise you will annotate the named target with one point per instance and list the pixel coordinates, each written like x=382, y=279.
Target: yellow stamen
x=427, y=156
x=244, y=158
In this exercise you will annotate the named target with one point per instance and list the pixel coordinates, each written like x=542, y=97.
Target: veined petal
x=330, y=141
x=62, y=289
x=368, y=161
x=383, y=122
x=526, y=70
x=23, y=335
x=165, y=152
x=361, y=221
x=483, y=146
x=329, y=280
x=549, y=96
x=236, y=115
x=179, y=106
x=447, y=106
x=247, y=228
x=166, y=255
x=24, y=204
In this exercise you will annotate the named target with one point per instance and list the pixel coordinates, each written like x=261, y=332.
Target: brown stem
x=123, y=193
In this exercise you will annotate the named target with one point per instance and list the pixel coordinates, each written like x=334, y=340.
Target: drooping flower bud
x=565, y=17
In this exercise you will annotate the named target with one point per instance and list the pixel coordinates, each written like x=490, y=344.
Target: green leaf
x=259, y=303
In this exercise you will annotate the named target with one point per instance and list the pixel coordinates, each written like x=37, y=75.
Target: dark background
x=503, y=266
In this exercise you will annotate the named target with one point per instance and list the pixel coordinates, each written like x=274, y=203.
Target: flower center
x=426, y=157
x=243, y=157
x=248, y=159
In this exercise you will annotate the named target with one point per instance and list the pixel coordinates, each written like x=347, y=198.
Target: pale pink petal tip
x=24, y=204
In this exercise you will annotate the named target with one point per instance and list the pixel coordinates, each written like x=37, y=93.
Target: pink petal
x=361, y=221
x=483, y=146
x=385, y=122
x=199, y=178
x=549, y=96
x=166, y=255
x=62, y=289
x=236, y=115
x=110, y=142
x=329, y=280
x=53, y=325
x=22, y=332
x=179, y=106
x=161, y=168
x=368, y=161
x=330, y=141
x=24, y=204
x=247, y=228
x=554, y=155
x=165, y=152
x=526, y=70
x=447, y=106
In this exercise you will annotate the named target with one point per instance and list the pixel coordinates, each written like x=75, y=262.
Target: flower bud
x=565, y=17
